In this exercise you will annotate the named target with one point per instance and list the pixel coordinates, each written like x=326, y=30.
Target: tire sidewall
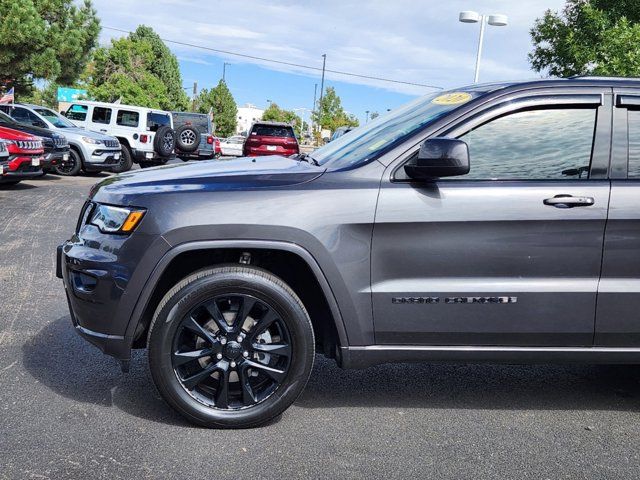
x=126, y=161
x=158, y=144
x=187, y=148
x=181, y=302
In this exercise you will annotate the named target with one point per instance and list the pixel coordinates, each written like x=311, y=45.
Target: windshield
x=54, y=118
x=369, y=141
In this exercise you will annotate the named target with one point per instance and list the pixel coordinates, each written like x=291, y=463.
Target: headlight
x=91, y=141
x=116, y=219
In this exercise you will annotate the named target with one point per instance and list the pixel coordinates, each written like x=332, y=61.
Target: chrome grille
x=112, y=143
x=29, y=144
x=60, y=142
x=3, y=146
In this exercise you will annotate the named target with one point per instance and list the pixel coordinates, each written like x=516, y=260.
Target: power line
x=281, y=62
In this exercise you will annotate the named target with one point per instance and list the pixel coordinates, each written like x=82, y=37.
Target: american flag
x=8, y=97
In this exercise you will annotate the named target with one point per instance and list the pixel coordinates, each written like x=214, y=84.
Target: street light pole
x=496, y=20
x=224, y=70
x=324, y=62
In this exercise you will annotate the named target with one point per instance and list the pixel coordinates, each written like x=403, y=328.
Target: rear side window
x=272, y=131
x=77, y=112
x=634, y=144
x=127, y=118
x=200, y=121
x=101, y=115
x=157, y=120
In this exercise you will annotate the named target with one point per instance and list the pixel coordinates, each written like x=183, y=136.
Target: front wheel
x=70, y=167
x=230, y=347
x=126, y=161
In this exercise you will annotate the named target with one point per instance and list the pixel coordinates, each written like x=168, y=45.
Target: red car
x=25, y=154
x=271, y=138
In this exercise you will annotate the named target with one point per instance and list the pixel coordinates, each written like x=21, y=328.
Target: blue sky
x=415, y=41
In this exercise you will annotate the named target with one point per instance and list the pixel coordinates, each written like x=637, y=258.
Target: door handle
x=568, y=201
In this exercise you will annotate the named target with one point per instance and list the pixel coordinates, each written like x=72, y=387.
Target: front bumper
x=101, y=159
x=103, y=276
x=54, y=157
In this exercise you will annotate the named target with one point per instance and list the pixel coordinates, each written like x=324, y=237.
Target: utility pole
x=315, y=92
x=224, y=70
x=324, y=62
x=195, y=92
x=366, y=119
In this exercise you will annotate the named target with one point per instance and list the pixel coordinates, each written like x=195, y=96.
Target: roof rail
x=601, y=77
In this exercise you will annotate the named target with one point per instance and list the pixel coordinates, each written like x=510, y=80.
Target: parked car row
x=98, y=136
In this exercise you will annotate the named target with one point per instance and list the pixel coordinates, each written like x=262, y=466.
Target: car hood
x=30, y=129
x=85, y=133
x=211, y=175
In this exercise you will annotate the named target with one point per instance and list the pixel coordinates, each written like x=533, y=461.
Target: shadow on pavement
x=73, y=368
x=58, y=358
x=17, y=187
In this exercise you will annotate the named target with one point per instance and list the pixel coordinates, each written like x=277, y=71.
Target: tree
x=138, y=71
x=330, y=113
x=47, y=96
x=374, y=115
x=276, y=114
x=596, y=37
x=45, y=40
x=220, y=102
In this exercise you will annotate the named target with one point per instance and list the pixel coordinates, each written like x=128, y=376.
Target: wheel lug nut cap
x=223, y=341
x=240, y=338
x=245, y=354
x=219, y=356
x=233, y=364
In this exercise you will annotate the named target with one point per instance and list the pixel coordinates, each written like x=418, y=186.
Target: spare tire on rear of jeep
x=165, y=141
x=187, y=138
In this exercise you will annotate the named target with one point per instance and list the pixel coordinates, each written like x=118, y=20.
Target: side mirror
x=440, y=157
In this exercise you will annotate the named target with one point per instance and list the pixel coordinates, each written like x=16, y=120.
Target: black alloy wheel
x=69, y=167
x=231, y=352
x=230, y=347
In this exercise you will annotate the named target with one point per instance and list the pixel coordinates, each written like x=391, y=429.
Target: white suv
x=146, y=134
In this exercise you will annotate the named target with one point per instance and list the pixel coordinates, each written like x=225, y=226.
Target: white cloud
x=408, y=40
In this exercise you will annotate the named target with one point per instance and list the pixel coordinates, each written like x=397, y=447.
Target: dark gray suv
x=491, y=223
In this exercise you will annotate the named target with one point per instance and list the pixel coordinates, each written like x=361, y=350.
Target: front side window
x=127, y=118
x=101, y=115
x=550, y=144
x=77, y=113
x=634, y=144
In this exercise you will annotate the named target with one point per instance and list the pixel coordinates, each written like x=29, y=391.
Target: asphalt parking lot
x=66, y=410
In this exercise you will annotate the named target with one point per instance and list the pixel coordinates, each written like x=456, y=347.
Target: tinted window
x=199, y=121
x=24, y=116
x=535, y=144
x=101, y=115
x=128, y=118
x=634, y=144
x=157, y=120
x=272, y=131
x=77, y=112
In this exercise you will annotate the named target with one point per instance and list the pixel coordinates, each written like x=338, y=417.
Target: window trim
x=598, y=97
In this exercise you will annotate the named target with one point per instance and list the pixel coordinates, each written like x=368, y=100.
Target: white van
x=146, y=134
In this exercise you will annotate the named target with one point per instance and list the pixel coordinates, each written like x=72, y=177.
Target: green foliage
x=45, y=39
x=330, y=113
x=47, y=96
x=219, y=101
x=374, y=115
x=140, y=70
x=276, y=114
x=596, y=37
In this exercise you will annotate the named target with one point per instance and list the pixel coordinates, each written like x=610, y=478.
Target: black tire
x=187, y=139
x=126, y=161
x=164, y=142
x=71, y=167
x=259, y=292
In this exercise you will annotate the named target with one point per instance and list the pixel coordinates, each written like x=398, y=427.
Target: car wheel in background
x=126, y=161
x=70, y=167
x=165, y=141
x=230, y=347
x=187, y=139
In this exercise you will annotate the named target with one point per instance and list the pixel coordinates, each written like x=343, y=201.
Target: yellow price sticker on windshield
x=453, y=98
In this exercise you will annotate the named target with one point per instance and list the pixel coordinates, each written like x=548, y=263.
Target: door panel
x=487, y=262
x=618, y=313
x=486, y=240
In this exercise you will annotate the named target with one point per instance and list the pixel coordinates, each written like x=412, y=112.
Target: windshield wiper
x=305, y=157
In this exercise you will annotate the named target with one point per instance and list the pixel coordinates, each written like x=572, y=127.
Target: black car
x=194, y=138
x=56, y=146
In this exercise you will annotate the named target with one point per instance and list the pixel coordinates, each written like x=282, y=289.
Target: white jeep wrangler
x=146, y=134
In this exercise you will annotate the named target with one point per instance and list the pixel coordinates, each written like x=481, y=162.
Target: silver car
x=90, y=151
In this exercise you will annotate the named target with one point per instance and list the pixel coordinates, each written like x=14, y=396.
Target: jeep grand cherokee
x=490, y=223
